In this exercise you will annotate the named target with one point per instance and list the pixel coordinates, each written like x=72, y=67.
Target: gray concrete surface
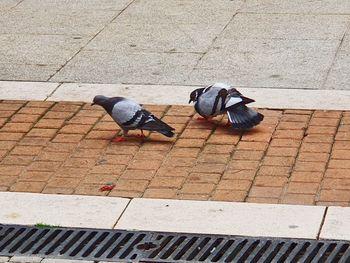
x=302, y=44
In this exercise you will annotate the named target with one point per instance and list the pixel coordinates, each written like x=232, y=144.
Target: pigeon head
x=106, y=102
x=100, y=100
x=195, y=94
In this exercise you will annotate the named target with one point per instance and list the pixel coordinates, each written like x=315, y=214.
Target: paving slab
x=301, y=63
x=338, y=77
x=25, y=72
x=75, y=5
x=74, y=211
x=181, y=12
x=222, y=218
x=119, y=67
x=298, y=6
x=336, y=224
x=286, y=26
x=55, y=21
x=37, y=49
x=26, y=90
x=161, y=37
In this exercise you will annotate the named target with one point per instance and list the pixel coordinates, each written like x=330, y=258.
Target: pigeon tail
x=243, y=117
x=157, y=125
x=167, y=133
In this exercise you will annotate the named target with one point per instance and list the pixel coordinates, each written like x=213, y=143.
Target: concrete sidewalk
x=278, y=44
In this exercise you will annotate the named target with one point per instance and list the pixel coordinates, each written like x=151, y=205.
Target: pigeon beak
x=190, y=101
x=92, y=104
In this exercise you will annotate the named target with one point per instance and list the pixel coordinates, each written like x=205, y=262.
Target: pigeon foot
x=228, y=124
x=142, y=135
x=118, y=139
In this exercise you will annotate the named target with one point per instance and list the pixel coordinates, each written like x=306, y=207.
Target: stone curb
x=206, y=217
x=173, y=95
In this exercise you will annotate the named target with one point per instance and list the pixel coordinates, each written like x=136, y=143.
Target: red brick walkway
x=294, y=156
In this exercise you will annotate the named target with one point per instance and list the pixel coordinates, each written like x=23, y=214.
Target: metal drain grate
x=138, y=246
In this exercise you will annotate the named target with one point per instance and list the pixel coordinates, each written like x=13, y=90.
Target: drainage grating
x=139, y=246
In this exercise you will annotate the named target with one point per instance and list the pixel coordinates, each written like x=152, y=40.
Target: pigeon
x=220, y=98
x=129, y=115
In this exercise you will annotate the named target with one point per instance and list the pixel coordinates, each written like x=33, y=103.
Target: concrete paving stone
x=25, y=259
x=39, y=49
x=25, y=72
x=55, y=21
x=26, y=90
x=181, y=12
x=162, y=37
x=286, y=26
x=339, y=76
x=117, y=67
x=74, y=4
x=297, y=6
x=75, y=211
x=222, y=218
x=336, y=224
x=269, y=62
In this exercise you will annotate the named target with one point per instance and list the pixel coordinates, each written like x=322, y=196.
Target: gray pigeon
x=130, y=116
x=220, y=98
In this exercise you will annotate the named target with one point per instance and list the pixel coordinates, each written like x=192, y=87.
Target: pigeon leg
x=121, y=138
x=142, y=135
x=228, y=124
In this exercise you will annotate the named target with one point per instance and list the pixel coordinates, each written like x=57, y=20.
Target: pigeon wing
x=152, y=123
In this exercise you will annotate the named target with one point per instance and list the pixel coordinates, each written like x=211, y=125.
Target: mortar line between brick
x=165, y=157
x=200, y=152
x=36, y=156
x=50, y=141
x=285, y=187
x=8, y=121
x=329, y=158
x=84, y=137
x=322, y=222
x=261, y=160
x=91, y=39
x=228, y=162
x=77, y=146
x=126, y=165
x=133, y=156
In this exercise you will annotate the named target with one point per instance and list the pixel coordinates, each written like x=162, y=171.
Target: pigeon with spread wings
x=220, y=98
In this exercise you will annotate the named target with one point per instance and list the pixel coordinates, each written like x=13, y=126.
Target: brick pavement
x=294, y=156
